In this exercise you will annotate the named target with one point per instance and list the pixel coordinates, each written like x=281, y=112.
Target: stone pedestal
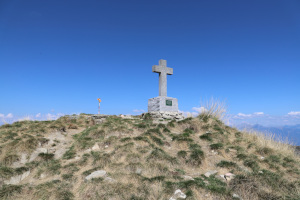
x=163, y=104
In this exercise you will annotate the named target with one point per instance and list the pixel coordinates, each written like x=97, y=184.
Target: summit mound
x=136, y=158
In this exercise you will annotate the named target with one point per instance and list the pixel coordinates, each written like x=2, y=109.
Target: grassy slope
x=164, y=153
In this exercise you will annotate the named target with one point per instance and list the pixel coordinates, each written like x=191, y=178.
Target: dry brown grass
x=270, y=142
x=214, y=108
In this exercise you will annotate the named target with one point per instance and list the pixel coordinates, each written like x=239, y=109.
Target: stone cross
x=163, y=71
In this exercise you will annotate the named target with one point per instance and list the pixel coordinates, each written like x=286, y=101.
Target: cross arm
x=169, y=71
x=156, y=68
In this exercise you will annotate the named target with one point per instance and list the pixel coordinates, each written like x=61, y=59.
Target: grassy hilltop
x=143, y=160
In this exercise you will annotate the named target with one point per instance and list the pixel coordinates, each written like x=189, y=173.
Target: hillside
x=137, y=158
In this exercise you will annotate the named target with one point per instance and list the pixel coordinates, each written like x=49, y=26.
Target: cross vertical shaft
x=163, y=71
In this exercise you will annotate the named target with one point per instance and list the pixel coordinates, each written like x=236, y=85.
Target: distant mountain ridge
x=292, y=132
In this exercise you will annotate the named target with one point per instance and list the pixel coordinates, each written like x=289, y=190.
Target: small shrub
x=216, y=186
x=171, y=123
x=67, y=176
x=265, y=151
x=206, y=136
x=216, y=146
x=46, y=156
x=70, y=153
x=188, y=131
x=7, y=191
x=157, y=140
x=241, y=156
x=252, y=164
x=166, y=130
x=125, y=139
x=161, y=126
x=203, y=117
x=182, y=154
x=226, y=164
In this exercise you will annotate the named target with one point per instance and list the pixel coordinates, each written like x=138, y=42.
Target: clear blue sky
x=60, y=56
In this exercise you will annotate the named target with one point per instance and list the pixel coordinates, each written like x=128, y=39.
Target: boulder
x=96, y=174
x=96, y=147
x=209, y=173
x=178, y=195
x=187, y=178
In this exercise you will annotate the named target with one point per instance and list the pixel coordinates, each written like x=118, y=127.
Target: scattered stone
x=88, y=151
x=222, y=178
x=96, y=174
x=138, y=171
x=187, y=178
x=96, y=147
x=229, y=176
x=209, y=173
x=43, y=176
x=235, y=196
x=17, y=179
x=126, y=116
x=110, y=180
x=178, y=195
x=245, y=169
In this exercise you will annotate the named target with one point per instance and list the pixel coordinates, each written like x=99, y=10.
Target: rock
x=88, y=151
x=178, y=195
x=17, y=179
x=229, y=176
x=209, y=173
x=43, y=176
x=35, y=154
x=96, y=174
x=221, y=177
x=260, y=172
x=187, y=178
x=138, y=171
x=106, y=146
x=235, y=196
x=110, y=180
x=126, y=116
x=96, y=147
x=262, y=158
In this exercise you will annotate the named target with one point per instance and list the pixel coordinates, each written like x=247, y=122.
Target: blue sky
x=58, y=57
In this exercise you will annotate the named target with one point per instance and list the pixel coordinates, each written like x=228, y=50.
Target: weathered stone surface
x=187, y=178
x=159, y=103
x=17, y=179
x=235, y=196
x=210, y=173
x=100, y=118
x=178, y=195
x=165, y=115
x=110, y=180
x=96, y=174
x=138, y=171
x=96, y=147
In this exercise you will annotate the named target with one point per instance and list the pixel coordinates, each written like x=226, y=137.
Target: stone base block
x=166, y=115
x=162, y=104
